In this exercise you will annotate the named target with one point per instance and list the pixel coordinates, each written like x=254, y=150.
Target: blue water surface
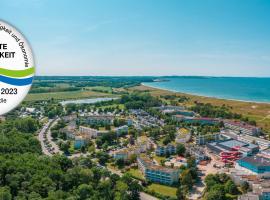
x=244, y=89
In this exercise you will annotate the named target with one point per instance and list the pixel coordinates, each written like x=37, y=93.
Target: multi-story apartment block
x=158, y=174
x=88, y=132
x=96, y=119
x=124, y=154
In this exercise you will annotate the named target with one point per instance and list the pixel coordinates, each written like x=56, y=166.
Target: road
x=41, y=138
x=50, y=139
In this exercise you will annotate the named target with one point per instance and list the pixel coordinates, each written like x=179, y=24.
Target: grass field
x=66, y=95
x=136, y=172
x=163, y=189
x=260, y=112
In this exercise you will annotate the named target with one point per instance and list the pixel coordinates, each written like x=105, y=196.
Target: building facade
x=158, y=174
x=169, y=149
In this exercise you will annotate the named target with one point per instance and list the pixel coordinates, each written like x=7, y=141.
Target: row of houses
x=259, y=186
x=241, y=127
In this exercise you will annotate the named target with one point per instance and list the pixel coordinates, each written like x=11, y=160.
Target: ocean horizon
x=250, y=89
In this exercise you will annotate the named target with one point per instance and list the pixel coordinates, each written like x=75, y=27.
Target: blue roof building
x=255, y=164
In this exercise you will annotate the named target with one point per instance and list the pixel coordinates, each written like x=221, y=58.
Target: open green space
x=163, y=189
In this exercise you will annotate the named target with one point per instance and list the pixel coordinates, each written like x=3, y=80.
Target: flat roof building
x=228, y=149
x=158, y=174
x=256, y=164
x=250, y=139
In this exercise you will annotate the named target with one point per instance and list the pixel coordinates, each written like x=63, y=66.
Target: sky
x=145, y=37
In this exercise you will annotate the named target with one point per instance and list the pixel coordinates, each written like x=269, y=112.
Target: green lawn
x=136, y=173
x=163, y=189
x=66, y=95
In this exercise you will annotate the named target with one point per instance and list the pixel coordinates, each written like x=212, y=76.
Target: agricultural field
x=66, y=95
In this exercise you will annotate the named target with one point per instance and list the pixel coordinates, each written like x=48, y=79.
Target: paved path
x=145, y=196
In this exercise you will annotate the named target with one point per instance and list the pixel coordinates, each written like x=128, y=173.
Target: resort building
x=260, y=186
x=231, y=150
x=70, y=134
x=242, y=127
x=121, y=130
x=255, y=164
x=170, y=109
x=144, y=143
x=69, y=130
x=196, y=120
x=88, y=132
x=158, y=174
x=197, y=152
x=169, y=149
x=124, y=154
x=79, y=142
x=203, y=139
x=99, y=119
x=69, y=118
x=251, y=139
x=183, y=135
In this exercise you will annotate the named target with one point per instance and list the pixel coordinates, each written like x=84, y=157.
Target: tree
x=186, y=178
x=180, y=193
x=216, y=193
x=191, y=162
x=84, y=191
x=230, y=187
x=54, y=134
x=134, y=188
x=180, y=149
x=121, y=189
x=245, y=186
x=5, y=193
x=120, y=163
x=64, y=146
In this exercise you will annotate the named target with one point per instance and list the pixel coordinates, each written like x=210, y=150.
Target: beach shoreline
x=257, y=111
x=202, y=96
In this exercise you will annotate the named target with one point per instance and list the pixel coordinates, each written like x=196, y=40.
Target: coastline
x=219, y=98
x=260, y=112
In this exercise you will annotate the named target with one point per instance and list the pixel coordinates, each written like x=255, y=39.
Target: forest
x=26, y=174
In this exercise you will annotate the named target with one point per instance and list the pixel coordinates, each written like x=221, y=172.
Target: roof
x=233, y=143
x=241, y=124
x=256, y=139
x=150, y=166
x=256, y=160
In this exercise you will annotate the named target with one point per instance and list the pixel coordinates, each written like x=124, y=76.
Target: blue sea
x=243, y=89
